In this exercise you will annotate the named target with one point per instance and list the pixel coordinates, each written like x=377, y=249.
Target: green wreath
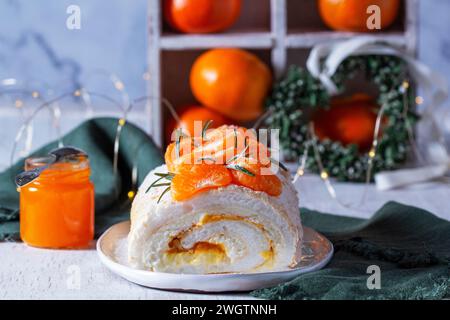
x=292, y=99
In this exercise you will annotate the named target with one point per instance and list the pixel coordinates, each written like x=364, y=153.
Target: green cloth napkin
x=96, y=137
x=410, y=245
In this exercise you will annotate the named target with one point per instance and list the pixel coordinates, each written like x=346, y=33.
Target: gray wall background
x=35, y=43
x=434, y=35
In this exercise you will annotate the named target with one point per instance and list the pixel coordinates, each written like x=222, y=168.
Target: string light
x=122, y=121
x=409, y=128
x=324, y=175
x=126, y=107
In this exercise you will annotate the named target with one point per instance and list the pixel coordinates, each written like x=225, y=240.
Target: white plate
x=112, y=250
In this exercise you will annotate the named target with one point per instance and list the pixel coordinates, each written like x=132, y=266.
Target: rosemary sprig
x=164, y=184
x=155, y=184
x=178, y=141
x=207, y=159
x=167, y=175
x=162, y=194
x=278, y=163
x=205, y=127
x=240, y=154
x=246, y=145
x=241, y=169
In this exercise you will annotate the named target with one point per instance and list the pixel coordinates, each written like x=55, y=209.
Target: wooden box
x=280, y=32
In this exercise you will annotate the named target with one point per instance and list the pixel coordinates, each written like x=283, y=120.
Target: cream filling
x=210, y=252
x=216, y=243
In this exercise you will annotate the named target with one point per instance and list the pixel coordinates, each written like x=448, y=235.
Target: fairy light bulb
x=300, y=171
x=77, y=93
x=324, y=175
x=146, y=76
x=18, y=103
x=130, y=194
x=405, y=85
x=35, y=94
x=419, y=100
x=122, y=122
x=372, y=153
x=119, y=85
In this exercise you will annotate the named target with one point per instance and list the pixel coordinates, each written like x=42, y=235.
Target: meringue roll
x=221, y=230
x=216, y=206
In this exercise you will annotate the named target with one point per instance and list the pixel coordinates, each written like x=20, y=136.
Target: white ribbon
x=434, y=86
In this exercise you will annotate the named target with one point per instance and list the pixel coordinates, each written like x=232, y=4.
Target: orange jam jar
x=57, y=208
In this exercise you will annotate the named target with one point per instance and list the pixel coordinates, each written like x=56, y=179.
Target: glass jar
x=57, y=208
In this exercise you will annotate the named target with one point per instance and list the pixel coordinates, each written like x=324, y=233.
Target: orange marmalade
x=57, y=208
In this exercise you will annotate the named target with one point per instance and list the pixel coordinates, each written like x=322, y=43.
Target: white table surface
x=30, y=273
